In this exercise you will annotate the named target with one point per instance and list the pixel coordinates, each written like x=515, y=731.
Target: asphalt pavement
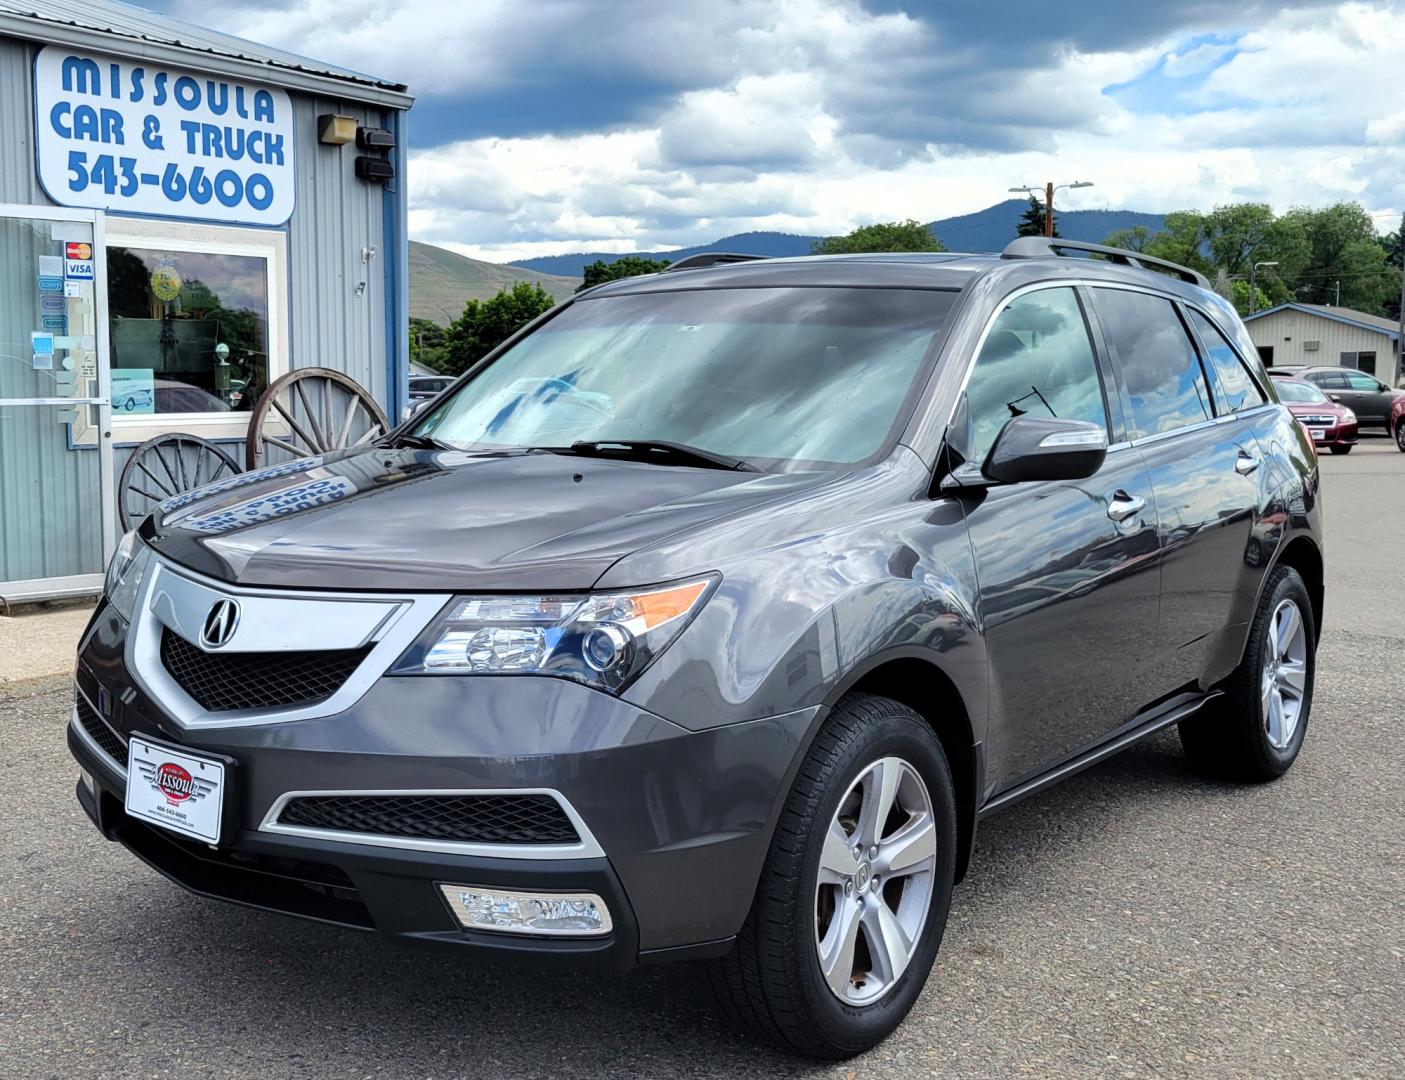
x=1134, y=921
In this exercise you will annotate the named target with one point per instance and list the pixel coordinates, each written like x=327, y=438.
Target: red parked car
x=1397, y=421
x=1330, y=424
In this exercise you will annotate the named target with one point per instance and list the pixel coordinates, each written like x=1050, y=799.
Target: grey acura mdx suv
x=707, y=618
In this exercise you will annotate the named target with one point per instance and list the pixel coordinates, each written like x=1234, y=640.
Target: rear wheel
x=854, y=895
x=1400, y=435
x=1341, y=449
x=1255, y=731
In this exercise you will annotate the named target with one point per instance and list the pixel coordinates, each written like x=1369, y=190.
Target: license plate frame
x=177, y=789
x=1318, y=434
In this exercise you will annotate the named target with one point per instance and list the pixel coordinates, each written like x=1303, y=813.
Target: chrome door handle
x=1124, y=506
x=1244, y=464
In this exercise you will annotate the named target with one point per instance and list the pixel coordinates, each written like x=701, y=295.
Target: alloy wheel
x=875, y=881
x=1283, y=686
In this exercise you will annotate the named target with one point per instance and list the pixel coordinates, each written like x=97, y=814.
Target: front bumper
x=1335, y=435
x=678, y=821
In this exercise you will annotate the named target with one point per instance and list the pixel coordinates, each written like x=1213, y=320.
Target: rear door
x=1368, y=397
x=1067, y=571
x=1204, y=468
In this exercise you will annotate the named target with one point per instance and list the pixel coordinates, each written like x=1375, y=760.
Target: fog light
x=543, y=914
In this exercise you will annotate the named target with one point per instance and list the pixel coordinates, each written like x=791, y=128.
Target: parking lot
x=1135, y=921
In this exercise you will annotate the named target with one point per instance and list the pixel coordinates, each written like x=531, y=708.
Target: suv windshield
x=779, y=376
x=1298, y=391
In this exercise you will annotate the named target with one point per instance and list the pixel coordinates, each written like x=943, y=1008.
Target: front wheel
x=853, y=899
x=1400, y=435
x=1255, y=730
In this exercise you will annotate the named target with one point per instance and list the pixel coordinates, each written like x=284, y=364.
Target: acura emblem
x=220, y=623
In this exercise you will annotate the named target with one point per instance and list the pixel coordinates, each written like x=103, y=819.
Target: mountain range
x=985, y=230
x=442, y=281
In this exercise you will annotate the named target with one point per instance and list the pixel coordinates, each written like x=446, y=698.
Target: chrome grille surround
x=178, y=600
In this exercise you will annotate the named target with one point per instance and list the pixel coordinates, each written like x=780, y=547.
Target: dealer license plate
x=176, y=790
x=1318, y=433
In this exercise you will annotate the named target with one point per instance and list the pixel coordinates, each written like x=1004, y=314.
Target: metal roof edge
x=1308, y=309
x=45, y=31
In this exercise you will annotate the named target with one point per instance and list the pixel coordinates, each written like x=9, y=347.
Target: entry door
x=1068, y=574
x=57, y=523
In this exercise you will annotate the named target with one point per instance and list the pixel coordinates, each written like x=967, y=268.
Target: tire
x=1341, y=449
x=1233, y=737
x=772, y=984
x=1400, y=436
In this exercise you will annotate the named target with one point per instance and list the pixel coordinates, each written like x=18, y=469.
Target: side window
x=1161, y=372
x=1237, y=387
x=1329, y=380
x=1357, y=381
x=1037, y=361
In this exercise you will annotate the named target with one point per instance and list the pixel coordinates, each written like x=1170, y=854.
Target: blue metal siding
x=336, y=218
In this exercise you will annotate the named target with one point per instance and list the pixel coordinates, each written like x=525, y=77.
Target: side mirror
x=1034, y=448
x=413, y=407
x=1335, y=397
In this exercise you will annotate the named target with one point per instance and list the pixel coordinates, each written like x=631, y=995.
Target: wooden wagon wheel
x=311, y=411
x=166, y=466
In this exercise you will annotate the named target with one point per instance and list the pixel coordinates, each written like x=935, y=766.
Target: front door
x=56, y=517
x=1067, y=571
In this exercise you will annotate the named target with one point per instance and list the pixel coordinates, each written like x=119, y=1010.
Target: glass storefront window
x=189, y=330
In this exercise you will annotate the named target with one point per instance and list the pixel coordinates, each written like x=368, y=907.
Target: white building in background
x=1317, y=335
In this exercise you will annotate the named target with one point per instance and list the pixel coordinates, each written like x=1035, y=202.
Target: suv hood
x=443, y=520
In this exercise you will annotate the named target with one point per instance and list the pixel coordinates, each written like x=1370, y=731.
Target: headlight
x=1348, y=417
x=603, y=640
x=125, y=573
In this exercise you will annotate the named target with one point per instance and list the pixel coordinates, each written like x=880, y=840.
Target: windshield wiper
x=656, y=450
x=416, y=442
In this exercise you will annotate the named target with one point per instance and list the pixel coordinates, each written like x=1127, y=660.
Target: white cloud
x=1194, y=61
x=628, y=126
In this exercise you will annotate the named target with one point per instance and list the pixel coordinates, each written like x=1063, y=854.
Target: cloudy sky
x=545, y=126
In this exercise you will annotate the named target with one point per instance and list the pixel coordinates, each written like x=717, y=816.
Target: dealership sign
x=123, y=135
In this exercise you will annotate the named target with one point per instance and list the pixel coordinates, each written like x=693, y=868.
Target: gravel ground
x=1134, y=921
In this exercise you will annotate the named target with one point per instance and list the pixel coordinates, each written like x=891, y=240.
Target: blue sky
x=544, y=126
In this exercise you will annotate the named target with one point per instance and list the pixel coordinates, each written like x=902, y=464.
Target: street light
x=1049, y=190
x=1253, y=294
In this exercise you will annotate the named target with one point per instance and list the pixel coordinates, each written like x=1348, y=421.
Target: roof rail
x=1035, y=247
x=708, y=258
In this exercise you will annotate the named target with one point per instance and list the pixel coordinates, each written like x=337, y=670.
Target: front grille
x=221, y=682
x=477, y=819
x=1315, y=420
x=112, y=744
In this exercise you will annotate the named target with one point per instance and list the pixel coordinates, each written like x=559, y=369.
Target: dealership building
x=184, y=218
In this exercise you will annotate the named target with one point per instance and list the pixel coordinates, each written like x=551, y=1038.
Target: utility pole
x=1049, y=190
x=1400, y=341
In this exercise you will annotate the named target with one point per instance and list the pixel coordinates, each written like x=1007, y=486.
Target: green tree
x=885, y=236
x=1031, y=222
x=1134, y=239
x=1342, y=250
x=1179, y=241
x=600, y=271
x=427, y=343
x=486, y=324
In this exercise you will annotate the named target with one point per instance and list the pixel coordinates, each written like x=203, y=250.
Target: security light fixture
x=374, y=169
x=369, y=138
x=334, y=130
